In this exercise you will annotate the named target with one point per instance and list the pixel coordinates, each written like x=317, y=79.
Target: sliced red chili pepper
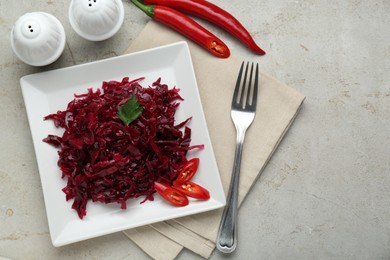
x=186, y=26
x=170, y=194
x=187, y=172
x=214, y=14
x=193, y=190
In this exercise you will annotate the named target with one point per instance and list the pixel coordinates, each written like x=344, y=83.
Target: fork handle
x=227, y=234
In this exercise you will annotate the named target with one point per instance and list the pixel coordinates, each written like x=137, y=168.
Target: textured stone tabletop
x=325, y=194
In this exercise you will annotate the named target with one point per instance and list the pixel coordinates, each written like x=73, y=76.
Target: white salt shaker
x=96, y=20
x=38, y=38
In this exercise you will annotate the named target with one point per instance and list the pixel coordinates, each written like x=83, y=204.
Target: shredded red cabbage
x=107, y=161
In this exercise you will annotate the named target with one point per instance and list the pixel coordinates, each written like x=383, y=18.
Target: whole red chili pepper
x=214, y=14
x=186, y=26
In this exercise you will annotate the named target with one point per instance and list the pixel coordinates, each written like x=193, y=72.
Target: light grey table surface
x=325, y=194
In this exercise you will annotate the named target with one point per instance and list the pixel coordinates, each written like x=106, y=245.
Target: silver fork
x=243, y=113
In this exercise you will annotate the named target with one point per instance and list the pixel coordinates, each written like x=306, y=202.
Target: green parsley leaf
x=129, y=111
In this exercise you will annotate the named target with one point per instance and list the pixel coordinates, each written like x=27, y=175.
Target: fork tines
x=245, y=95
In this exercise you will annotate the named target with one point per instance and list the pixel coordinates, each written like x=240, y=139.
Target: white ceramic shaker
x=96, y=20
x=38, y=38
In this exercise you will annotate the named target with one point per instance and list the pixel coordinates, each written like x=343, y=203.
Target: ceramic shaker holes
x=91, y=3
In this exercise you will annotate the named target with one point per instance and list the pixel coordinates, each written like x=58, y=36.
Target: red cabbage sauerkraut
x=106, y=161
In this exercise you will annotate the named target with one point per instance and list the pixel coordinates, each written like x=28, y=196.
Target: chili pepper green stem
x=147, y=9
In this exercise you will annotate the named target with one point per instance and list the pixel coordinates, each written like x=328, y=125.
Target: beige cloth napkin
x=277, y=107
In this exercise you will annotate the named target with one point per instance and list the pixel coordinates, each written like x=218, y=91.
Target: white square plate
x=46, y=93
